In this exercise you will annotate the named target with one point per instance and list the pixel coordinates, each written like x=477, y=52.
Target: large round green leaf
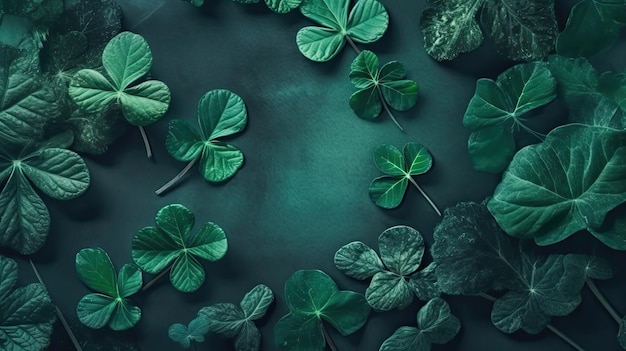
x=563, y=185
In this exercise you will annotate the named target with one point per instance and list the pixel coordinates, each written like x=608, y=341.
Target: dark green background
x=303, y=191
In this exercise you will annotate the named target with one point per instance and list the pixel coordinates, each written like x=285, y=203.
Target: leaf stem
x=603, y=301
x=520, y=123
x=353, y=44
x=550, y=327
x=386, y=107
x=64, y=322
x=146, y=142
x=564, y=337
x=156, y=279
x=177, y=178
x=329, y=341
x=432, y=204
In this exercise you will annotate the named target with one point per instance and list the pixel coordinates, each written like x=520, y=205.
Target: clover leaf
x=185, y=335
x=237, y=322
x=27, y=314
x=380, y=87
x=474, y=256
x=394, y=277
x=565, y=184
x=58, y=173
x=388, y=191
x=172, y=244
x=592, y=98
x=592, y=25
x=435, y=325
x=366, y=23
x=109, y=304
x=126, y=58
x=278, y=6
x=496, y=109
x=220, y=113
x=451, y=27
x=313, y=297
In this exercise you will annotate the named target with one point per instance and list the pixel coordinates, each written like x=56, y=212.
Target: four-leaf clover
x=388, y=191
x=109, y=304
x=379, y=87
x=220, y=113
x=172, y=244
x=366, y=23
x=395, y=277
x=313, y=297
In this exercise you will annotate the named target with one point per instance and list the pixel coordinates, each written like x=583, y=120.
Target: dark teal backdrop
x=303, y=191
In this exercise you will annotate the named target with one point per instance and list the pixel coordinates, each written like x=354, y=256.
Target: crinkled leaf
x=450, y=28
x=424, y=283
x=225, y=319
x=491, y=149
x=472, y=253
x=592, y=25
x=544, y=291
x=401, y=249
x=565, y=184
x=94, y=132
x=155, y=248
x=518, y=90
x=256, y=302
x=366, y=23
x=358, y=261
x=524, y=30
x=26, y=313
x=388, y=291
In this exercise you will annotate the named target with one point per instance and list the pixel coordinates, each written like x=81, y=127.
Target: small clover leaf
x=388, y=191
x=185, y=335
x=109, y=305
x=366, y=23
x=126, y=58
x=55, y=171
x=278, y=6
x=237, y=322
x=27, y=314
x=220, y=113
x=435, y=325
x=394, y=273
x=313, y=297
x=380, y=87
x=497, y=108
x=172, y=244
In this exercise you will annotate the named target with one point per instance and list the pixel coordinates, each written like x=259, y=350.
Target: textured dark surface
x=303, y=191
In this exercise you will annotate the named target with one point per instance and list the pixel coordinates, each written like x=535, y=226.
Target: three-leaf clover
x=380, y=87
x=220, y=113
x=563, y=185
x=395, y=277
x=496, y=109
x=435, y=325
x=126, y=58
x=313, y=297
x=236, y=322
x=26, y=313
x=109, y=304
x=388, y=191
x=172, y=244
x=55, y=171
x=366, y=23
x=185, y=335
